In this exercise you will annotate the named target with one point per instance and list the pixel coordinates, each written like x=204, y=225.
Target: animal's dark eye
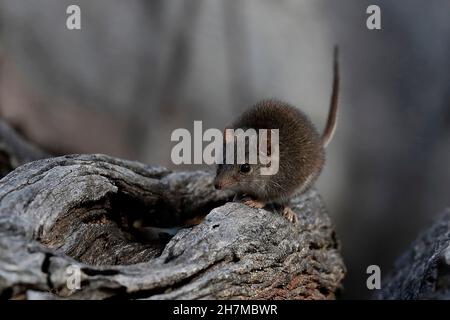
x=245, y=168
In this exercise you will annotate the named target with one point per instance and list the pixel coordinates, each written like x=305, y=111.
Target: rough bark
x=15, y=151
x=423, y=271
x=89, y=211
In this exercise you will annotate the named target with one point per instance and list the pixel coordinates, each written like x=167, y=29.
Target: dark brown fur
x=301, y=149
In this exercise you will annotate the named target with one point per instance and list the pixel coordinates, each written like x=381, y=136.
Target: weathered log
x=88, y=211
x=15, y=151
x=423, y=271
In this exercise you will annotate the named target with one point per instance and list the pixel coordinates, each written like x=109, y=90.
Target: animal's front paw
x=253, y=203
x=290, y=215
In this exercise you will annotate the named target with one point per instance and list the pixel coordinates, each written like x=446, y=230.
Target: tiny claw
x=290, y=215
x=254, y=203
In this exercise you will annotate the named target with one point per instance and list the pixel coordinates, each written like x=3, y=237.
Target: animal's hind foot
x=290, y=215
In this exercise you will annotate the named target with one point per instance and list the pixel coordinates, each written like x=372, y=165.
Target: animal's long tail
x=332, y=113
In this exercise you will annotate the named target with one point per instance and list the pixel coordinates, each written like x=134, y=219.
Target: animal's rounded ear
x=269, y=143
x=228, y=135
x=265, y=142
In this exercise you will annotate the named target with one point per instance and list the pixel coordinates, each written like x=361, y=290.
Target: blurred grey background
x=140, y=69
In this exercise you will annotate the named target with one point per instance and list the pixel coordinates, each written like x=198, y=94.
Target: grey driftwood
x=88, y=212
x=423, y=271
x=14, y=150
